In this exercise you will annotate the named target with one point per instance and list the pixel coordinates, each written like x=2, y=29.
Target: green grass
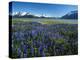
x=42, y=21
x=52, y=22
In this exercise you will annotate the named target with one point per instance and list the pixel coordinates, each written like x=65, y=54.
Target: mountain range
x=70, y=15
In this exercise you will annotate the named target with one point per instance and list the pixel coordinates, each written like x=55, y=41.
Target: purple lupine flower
x=40, y=49
x=19, y=36
x=43, y=54
x=32, y=50
x=19, y=52
x=24, y=55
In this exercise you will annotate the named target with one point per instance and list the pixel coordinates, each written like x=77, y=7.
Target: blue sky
x=51, y=10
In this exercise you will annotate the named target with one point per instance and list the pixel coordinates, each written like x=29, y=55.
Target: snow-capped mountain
x=71, y=15
x=22, y=15
x=18, y=14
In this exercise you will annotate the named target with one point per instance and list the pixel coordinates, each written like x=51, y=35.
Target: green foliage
x=59, y=41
